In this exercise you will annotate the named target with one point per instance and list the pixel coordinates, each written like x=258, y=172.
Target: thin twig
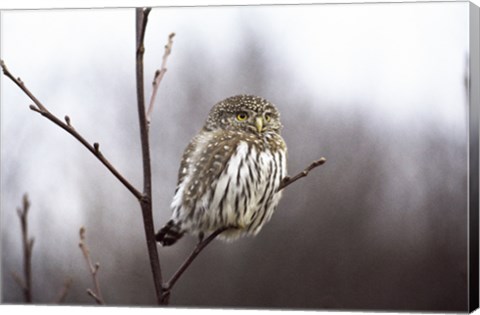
x=94, y=149
x=159, y=76
x=27, y=242
x=289, y=180
x=20, y=84
x=93, y=268
x=167, y=287
x=146, y=200
x=95, y=297
x=64, y=292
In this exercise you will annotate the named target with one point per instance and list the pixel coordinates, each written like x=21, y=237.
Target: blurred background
x=377, y=89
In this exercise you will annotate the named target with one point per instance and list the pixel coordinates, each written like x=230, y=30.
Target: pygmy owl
x=230, y=172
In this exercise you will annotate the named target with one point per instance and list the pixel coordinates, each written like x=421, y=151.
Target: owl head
x=246, y=113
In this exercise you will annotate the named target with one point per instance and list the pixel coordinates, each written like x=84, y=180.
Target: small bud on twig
x=157, y=78
x=67, y=120
x=82, y=233
x=96, y=146
x=35, y=109
x=93, y=268
x=26, y=202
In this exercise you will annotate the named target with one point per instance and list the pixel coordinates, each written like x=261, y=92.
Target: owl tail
x=169, y=234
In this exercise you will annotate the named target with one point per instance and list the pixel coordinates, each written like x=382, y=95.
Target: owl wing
x=204, y=160
x=184, y=164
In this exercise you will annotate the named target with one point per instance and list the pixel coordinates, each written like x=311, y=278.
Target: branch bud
x=26, y=202
x=96, y=146
x=82, y=233
x=67, y=120
x=155, y=76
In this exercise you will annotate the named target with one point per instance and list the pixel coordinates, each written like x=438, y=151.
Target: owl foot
x=169, y=234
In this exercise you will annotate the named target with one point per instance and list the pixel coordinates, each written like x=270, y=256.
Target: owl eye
x=242, y=116
x=268, y=116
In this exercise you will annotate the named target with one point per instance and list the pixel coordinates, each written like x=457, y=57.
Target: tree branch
x=159, y=76
x=95, y=297
x=27, y=242
x=167, y=287
x=146, y=201
x=289, y=180
x=94, y=149
x=93, y=268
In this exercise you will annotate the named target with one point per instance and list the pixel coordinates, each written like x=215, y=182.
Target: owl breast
x=241, y=190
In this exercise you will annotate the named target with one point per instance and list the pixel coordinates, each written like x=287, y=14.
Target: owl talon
x=169, y=234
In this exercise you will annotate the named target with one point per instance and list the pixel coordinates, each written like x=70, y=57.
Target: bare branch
x=93, y=268
x=159, y=76
x=20, y=84
x=95, y=297
x=27, y=242
x=42, y=110
x=197, y=250
x=289, y=180
x=64, y=292
x=146, y=200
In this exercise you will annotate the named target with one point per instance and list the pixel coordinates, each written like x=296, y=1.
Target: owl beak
x=259, y=123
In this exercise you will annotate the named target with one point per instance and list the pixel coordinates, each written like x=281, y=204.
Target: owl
x=230, y=172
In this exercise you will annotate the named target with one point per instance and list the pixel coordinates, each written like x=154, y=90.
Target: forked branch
x=159, y=76
x=167, y=287
x=26, y=285
x=27, y=242
x=67, y=126
x=92, y=268
x=146, y=200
